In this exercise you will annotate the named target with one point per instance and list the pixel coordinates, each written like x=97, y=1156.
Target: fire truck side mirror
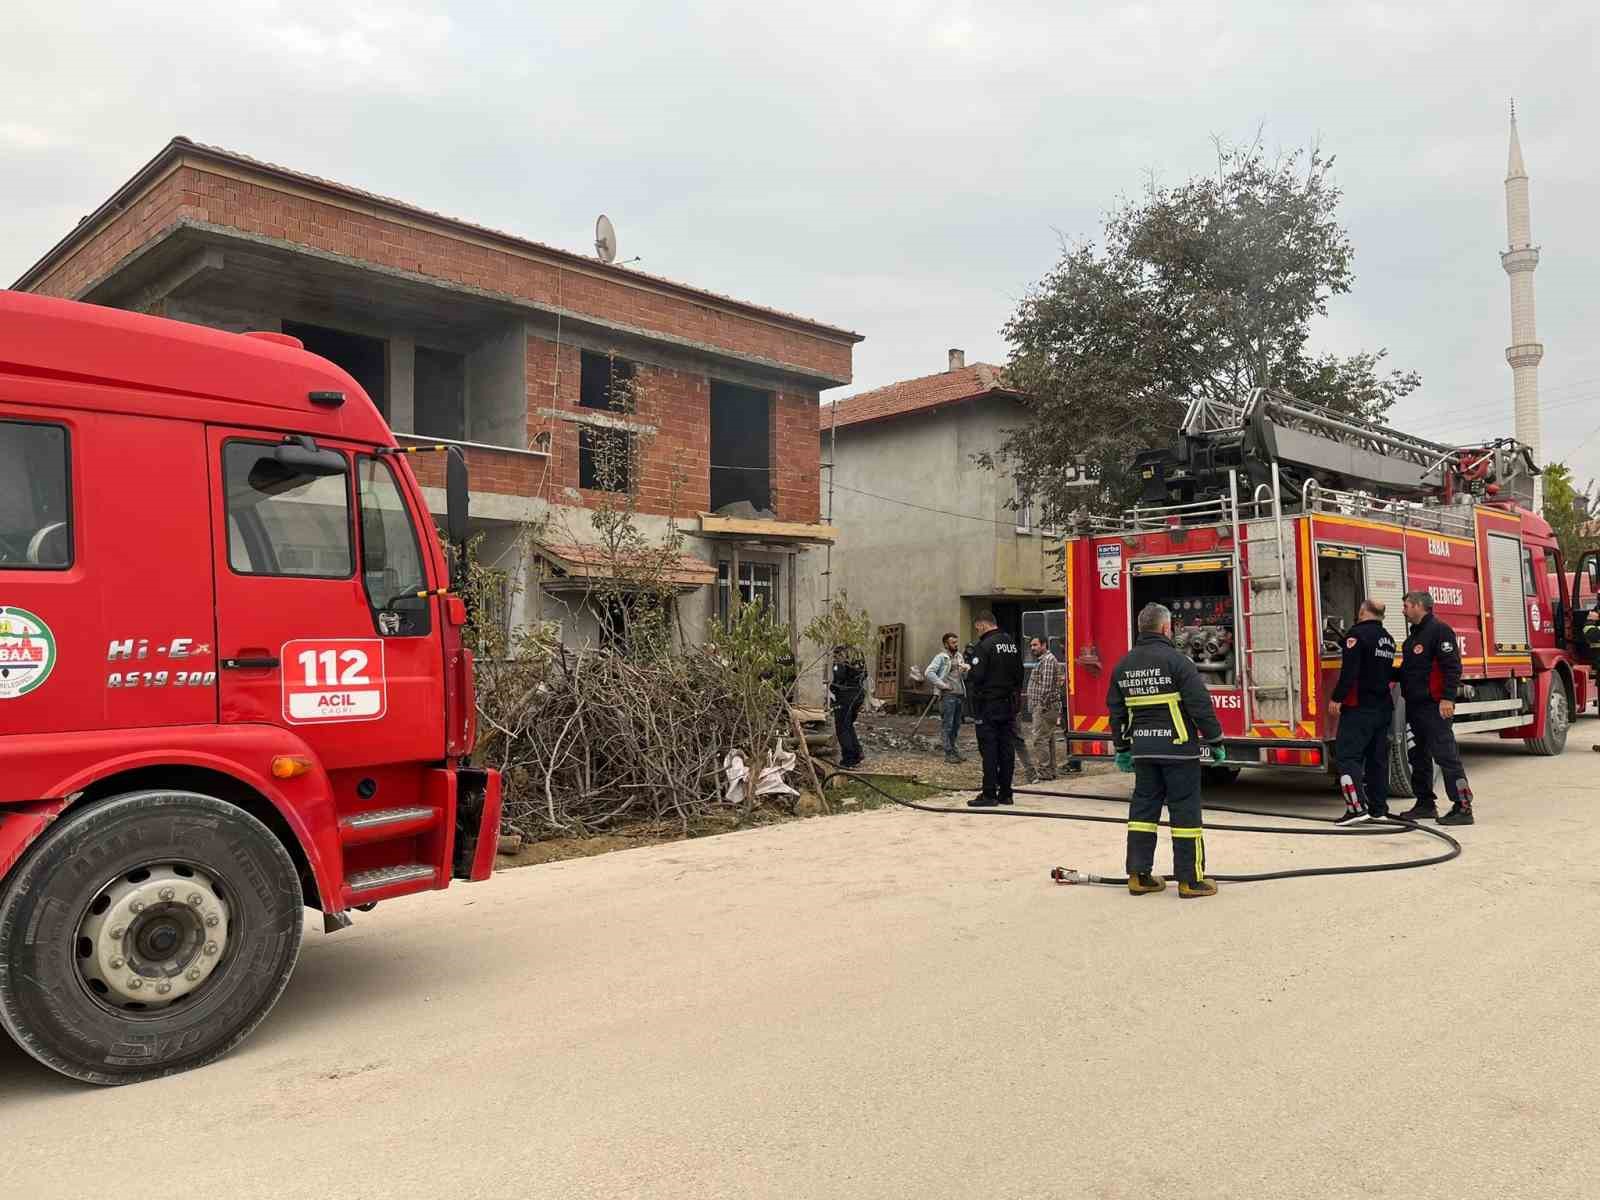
x=457, y=500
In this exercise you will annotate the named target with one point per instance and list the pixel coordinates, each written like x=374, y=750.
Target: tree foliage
x=1207, y=289
x=1574, y=515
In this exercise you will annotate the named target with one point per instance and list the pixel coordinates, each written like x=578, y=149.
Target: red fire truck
x=232, y=681
x=1264, y=528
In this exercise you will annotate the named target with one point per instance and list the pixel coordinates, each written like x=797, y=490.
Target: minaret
x=1520, y=261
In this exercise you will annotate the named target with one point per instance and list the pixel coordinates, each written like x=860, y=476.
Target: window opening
x=605, y=382
x=605, y=458
x=741, y=450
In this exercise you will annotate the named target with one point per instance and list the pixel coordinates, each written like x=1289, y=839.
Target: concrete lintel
x=587, y=416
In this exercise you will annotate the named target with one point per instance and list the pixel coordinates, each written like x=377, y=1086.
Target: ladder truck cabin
x=1263, y=529
x=232, y=681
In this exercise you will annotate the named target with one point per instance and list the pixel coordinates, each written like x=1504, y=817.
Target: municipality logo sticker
x=27, y=652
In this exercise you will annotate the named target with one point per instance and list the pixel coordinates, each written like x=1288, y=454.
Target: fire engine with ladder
x=1264, y=527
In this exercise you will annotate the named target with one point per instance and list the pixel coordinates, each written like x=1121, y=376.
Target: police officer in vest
x=993, y=684
x=1430, y=673
x=1366, y=713
x=1164, y=727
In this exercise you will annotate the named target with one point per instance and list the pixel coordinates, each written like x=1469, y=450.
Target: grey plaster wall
x=944, y=542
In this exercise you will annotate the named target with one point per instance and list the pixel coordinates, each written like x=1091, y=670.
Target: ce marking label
x=1110, y=579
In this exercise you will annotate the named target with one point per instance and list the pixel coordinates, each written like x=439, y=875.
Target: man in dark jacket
x=1163, y=726
x=1430, y=673
x=993, y=683
x=848, y=688
x=1366, y=714
x=1591, y=635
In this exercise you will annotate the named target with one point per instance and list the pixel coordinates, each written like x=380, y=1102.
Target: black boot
x=1459, y=814
x=1422, y=810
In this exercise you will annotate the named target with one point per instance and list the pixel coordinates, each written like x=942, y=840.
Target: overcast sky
x=899, y=168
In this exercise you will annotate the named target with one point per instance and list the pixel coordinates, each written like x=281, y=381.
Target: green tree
x=1207, y=289
x=1574, y=515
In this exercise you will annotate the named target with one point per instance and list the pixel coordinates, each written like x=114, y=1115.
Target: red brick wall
x=271, y=211
x=797, y=457
x=676, y=402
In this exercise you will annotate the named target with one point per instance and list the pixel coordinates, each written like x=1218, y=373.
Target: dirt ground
x=893, y=1004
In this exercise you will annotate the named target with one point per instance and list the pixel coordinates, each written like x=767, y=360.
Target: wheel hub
x=1557, y=719
x=153, y=936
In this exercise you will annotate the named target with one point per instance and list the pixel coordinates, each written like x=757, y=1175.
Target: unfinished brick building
x=510, y=347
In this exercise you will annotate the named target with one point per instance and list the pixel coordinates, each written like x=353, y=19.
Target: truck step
x=397, y=881
x=382, y=824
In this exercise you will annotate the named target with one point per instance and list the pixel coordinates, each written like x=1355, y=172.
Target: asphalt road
x=889, y=1004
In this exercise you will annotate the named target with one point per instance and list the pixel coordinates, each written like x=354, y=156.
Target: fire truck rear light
x=290, y=766
x=1311, y=758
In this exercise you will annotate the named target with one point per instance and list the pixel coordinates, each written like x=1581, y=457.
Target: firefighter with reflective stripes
x=1591, y=635
x=1164, y=727
x=1366, y=713
x=1430, y=673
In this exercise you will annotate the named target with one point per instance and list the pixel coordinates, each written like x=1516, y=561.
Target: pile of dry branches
x=591, y=739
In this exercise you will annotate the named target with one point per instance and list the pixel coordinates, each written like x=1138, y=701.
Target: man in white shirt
x=947, y=673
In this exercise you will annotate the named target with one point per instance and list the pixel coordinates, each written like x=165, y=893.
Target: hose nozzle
x=1069, y=875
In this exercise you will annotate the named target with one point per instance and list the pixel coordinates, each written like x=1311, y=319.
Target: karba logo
x=1226, y=700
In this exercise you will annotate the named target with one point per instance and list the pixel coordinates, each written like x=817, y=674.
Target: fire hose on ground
x=1381, y=828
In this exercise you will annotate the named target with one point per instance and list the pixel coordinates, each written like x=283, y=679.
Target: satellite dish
x=605, y=239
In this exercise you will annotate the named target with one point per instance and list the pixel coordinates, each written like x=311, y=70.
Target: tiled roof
x=181, y=144
x=916, y=395
x=586, y=562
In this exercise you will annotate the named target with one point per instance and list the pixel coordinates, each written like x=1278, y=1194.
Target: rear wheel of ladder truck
x=145, y=935
x=1557, y=717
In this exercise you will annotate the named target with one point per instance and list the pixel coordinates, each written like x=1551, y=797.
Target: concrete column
x=402, y=385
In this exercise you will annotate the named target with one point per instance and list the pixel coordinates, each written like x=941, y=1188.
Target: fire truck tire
x=1400, y=741
x=1557, y=721
x=189, y=907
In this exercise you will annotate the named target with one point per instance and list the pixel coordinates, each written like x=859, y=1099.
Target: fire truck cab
x=1264, y=531
x=232, y=681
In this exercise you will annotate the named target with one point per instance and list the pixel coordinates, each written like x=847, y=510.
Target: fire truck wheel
x=146, y=934
x=1400, y=743
x=1557, y=720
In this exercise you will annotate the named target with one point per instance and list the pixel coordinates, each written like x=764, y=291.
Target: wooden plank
x=793, y=531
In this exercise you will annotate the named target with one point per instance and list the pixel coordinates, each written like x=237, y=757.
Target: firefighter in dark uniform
x=1430, y=673
x=848, y=690
x=1591, y=635
x=1366, y=714
x=993, y=682
x=1164, y=727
